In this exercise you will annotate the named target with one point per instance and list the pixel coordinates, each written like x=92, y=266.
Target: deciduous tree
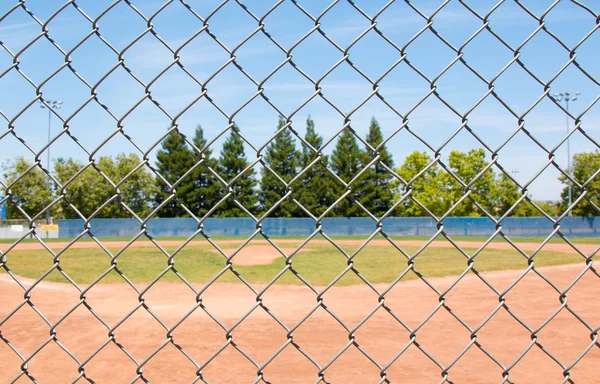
x=89, y=190
x=31, y=192
x=584, y=167
x=428, y=188
x=467, y=166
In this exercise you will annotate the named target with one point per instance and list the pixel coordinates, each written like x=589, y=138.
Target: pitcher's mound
x=258, y=255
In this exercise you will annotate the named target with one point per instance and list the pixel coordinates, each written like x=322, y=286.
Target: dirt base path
x=586, y=248
x=321, y=336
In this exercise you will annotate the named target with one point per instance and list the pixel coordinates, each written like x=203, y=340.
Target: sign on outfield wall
x=2, y=209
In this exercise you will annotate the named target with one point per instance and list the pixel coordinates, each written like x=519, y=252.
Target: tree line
x=189, y=179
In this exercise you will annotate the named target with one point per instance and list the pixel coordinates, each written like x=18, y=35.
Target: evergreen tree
x=173, y=160
x=377, y=188
x=231, y=163
x=316, y=186
x=281, y=156
x=205, y=193
x=346, y=162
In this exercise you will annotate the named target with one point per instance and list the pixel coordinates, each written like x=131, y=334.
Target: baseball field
x=172, y=311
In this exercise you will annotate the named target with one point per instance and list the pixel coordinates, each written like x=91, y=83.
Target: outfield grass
x=320, y=265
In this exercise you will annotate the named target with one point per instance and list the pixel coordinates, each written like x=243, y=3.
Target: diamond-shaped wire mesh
x=144, y=42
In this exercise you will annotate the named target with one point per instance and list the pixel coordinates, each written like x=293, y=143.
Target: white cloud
x=152, y=54
x=18, y=26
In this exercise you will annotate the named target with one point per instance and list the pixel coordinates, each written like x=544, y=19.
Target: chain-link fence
x=83, y=309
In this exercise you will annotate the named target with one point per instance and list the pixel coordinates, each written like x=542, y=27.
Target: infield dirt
x=321, y=336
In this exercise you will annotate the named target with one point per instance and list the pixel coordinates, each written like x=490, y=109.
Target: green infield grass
x=319, y=264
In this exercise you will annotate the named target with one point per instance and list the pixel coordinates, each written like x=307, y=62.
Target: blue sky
x=287, y=89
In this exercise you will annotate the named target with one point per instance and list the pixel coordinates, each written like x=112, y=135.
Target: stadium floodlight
x=52, y=104
x=566, y=97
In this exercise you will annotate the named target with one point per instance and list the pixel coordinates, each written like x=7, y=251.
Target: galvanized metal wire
x=345, y=55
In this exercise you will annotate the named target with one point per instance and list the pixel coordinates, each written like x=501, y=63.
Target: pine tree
x=231, y=163
x=173, y=160
x=346, y=162
x=377, y=186
x=316, y=186
x=205, y=193
x=281, y=156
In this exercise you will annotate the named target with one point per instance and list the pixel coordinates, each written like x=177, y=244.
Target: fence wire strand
x=344, y=53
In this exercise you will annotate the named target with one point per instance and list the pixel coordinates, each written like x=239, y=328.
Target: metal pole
x=566, y=97
x=48, y=163
x=569, y=157
x=56, y=104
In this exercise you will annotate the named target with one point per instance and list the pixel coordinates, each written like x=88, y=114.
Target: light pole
x=566, y=97
x=54, y=104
